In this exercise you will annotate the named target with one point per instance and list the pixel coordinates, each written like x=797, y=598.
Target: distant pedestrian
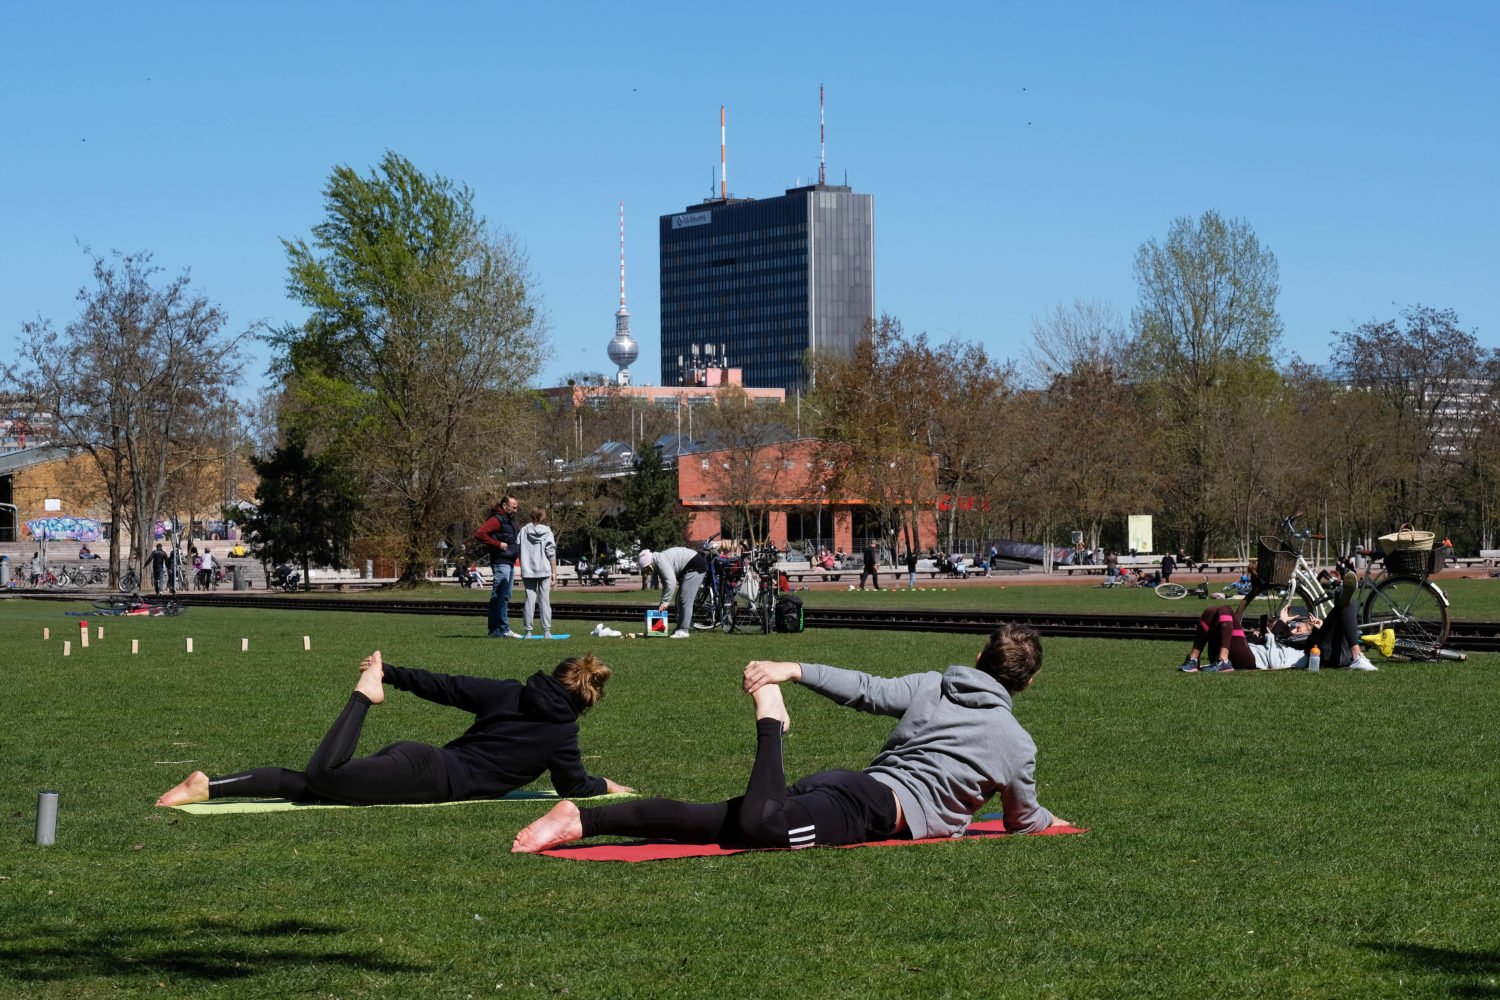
x=644, y=562
x=989, y=566
x=1168, y=564
x=871, y=567
x=500, y=534
x=911, y=569
x=158, y=561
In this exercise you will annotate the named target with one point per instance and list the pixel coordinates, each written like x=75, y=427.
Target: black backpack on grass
x=789, y=613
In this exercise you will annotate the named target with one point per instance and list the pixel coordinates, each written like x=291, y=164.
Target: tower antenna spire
x=723, y=160
x=622, y=255
x=822, y=142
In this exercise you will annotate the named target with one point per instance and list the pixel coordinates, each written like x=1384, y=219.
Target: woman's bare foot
x=371, y=676
x=561, y=825
x=194, y=788
x=769, y=705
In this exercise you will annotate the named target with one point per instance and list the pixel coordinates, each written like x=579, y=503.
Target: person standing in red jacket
x=501, y=535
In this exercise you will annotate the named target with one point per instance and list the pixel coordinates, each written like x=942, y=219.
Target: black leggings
x=829, y=808
x=401, y=772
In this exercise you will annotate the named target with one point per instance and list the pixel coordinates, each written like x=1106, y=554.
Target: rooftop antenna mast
x=723, y=164
x=822, y=142
x=622, y=256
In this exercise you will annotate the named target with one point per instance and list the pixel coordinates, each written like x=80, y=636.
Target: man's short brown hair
x=1012, y=656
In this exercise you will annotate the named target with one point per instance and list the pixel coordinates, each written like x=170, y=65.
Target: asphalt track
x=1469, y=636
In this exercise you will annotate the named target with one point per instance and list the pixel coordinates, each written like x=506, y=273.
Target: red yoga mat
x=663, y=850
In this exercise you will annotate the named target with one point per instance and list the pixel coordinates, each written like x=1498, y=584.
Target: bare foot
x=194, y=788
x=769, y=705
x=371, y=674
x=562, y=824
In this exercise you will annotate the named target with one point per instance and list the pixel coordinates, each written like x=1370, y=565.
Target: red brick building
x=780, y=484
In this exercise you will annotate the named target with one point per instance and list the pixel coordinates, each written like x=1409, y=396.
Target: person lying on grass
x=957, y=744
x=1283, y=645
x=519, y=731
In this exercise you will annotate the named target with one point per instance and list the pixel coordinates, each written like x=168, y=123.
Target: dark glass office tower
x=754, y=284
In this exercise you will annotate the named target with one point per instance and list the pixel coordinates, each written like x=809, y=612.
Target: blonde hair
x=584, y=677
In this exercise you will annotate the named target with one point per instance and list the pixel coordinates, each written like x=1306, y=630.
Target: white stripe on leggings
x=802, y=836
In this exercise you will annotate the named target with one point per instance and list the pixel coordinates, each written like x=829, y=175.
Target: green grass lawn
x=1251, y=835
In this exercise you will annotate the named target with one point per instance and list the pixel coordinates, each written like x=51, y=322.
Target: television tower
x=622, y=348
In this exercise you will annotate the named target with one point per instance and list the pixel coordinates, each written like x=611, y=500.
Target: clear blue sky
x=1018, y=154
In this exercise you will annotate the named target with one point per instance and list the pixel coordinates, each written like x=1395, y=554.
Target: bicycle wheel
x=129, y=583
x=705, y=608
x=113, y=605
x=1414, y=608
x=168, y=609
x=1171, y=591
x=741, y=614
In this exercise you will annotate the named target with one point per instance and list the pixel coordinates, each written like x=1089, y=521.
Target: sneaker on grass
x=1363, y=663
x=1189, y=666
x=1221, y=667
x=681, y=633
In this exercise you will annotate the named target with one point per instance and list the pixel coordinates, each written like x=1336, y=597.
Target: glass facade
x=755, y=284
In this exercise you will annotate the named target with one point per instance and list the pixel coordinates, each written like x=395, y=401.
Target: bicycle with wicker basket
x=1398, y=597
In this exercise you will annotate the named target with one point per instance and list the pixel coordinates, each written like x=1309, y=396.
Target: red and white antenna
x=822, y=146
x=723, y=166
x=622, y=255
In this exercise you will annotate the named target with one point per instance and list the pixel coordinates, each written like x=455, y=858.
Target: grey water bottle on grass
x=46, y=817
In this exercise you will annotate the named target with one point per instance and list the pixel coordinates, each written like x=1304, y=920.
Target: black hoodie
x=519, y=731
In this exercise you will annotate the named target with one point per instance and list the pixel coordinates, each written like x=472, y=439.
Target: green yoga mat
x=224, y=807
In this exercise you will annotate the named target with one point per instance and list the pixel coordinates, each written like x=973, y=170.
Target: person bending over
x=519, y=731
x=957, y=744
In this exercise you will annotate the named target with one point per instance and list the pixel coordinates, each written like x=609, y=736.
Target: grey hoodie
x=538, y=549
x=956, y=745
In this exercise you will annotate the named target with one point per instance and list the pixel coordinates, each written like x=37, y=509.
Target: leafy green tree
x=1205, y=334
x=305, y=508
x=423, y=331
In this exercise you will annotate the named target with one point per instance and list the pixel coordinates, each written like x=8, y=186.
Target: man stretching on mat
x=519, y=731
x=957, y=744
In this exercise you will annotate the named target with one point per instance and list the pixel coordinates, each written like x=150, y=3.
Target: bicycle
x=754, y=600
x=717, y=590
x=1400, y=598
x=135, y=605
x=1177, y=591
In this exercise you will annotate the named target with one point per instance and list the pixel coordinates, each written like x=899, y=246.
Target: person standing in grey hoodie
x=957, y=744
x=538, y=569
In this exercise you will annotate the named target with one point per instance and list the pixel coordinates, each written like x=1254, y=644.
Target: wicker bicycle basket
x=1407, y=537
x=1411, y=562
x=1275, y=561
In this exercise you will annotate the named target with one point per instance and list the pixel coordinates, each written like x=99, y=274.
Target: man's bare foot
x=769, y=705
x=561, y=825
x=194, y=788
x=371, y=676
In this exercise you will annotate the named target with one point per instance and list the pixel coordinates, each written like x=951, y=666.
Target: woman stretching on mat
x=519, y=731
x=957, y=744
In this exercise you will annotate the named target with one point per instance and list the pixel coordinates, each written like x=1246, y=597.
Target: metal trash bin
x=240, y=580
x=5, y=573
x=369, y=569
